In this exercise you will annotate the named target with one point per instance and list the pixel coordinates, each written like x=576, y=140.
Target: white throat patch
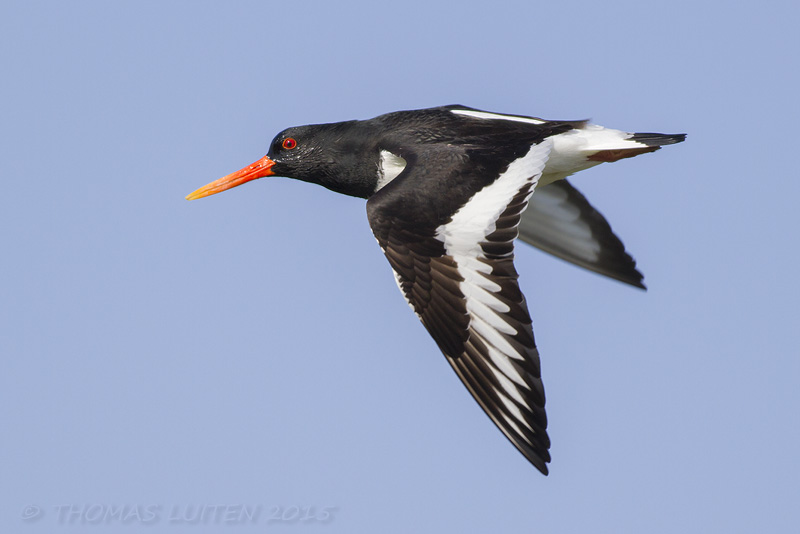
x=389, y=167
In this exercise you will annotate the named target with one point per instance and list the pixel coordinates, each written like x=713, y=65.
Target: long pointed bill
x=259, y=169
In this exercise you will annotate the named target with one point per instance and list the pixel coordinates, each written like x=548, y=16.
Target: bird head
x=316, y=154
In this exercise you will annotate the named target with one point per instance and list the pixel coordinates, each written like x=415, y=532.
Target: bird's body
x=447, y=192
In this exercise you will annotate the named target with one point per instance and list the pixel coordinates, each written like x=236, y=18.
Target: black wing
x=560, y=220
x=453, y=261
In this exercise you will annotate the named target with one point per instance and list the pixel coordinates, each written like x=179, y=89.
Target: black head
x=341, y=156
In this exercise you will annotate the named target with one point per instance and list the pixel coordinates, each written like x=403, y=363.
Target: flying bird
x=447, y=190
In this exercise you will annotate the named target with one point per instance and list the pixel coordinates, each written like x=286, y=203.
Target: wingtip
x=538, y=459
x=627, y=279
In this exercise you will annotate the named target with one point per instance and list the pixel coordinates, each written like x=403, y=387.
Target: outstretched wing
x=453, y=261
x=560, y=220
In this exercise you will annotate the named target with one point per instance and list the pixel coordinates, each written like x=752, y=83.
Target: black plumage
x=447, y=189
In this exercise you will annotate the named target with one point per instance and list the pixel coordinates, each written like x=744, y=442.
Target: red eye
x=289, y=143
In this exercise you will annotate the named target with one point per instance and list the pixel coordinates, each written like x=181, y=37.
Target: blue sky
x=250, y=351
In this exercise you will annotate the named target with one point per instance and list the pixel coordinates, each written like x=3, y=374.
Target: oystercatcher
x=447, y=190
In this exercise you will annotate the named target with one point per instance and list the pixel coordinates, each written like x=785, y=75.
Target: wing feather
x=561, y=221
x=460, y=280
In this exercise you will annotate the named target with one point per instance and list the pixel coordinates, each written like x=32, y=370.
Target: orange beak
x=259, y=169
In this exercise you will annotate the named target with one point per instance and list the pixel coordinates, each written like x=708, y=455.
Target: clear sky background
x=252, y=350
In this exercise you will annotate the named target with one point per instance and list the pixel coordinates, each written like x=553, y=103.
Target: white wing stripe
x=502, y=347
x=492, y=336
x=508, y=386
x=476, y=292
x=513, y=409
x=476, y=219
x=513, y=425
x=462, y=237
x=477, y=308
x=487, y=115
x=502, y=363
